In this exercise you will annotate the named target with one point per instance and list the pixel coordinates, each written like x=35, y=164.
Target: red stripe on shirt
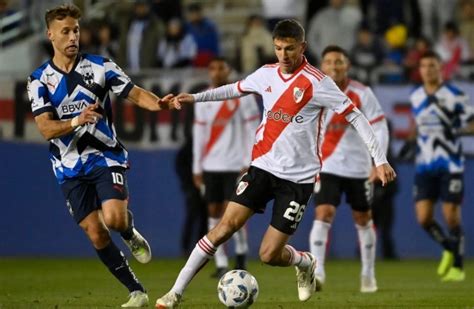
x=312, y=74
x=315, y=71
x=222, y=118
x=377, y=119
x=285, y=105
x=337, y=126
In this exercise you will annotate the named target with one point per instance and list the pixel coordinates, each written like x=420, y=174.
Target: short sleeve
x=116, y=79
x=38, y=96
x=371, y=107
x=327, y=94
x=251, y=83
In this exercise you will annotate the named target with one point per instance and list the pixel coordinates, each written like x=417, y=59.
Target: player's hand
x=183, y=98
x=165, y=102
x=197, y=179
x=385, y=173
x=90, y=115
x=373, y=174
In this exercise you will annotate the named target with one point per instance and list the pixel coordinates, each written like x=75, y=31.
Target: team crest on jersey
x=52, y=81
x=241, y=187
x=87, y=74
x=298, y=94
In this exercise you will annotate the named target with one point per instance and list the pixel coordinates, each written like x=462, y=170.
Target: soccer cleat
x=139, y=247
x=136, y=299
x=368, y=284
x=169, y=300
x=446, y=262
x=306, y=279
x=455, y=274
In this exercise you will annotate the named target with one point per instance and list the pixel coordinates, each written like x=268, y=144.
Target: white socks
x=201, y=254
x=318, y=239
x=240, y=240
x=298, y=258
x=220, y=257
x=367, y=240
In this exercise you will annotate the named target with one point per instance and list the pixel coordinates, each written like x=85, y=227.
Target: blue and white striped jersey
x=438, y=117
x=65, y=95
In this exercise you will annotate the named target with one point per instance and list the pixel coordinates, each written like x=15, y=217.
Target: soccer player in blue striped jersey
x=442, y=115
x=70, y=100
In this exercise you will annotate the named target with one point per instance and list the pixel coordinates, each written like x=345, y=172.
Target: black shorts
x=444, y=186
x=258, y=187
x=359, y=191
x=219, y=185
x=86, y=194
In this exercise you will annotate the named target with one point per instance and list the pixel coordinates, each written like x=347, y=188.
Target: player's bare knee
x=362, y=218
x=115, y=221
x=325, y=213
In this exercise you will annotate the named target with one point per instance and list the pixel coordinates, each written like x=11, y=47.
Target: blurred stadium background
x=384, y=44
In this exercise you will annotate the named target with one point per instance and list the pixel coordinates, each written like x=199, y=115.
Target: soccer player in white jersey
x=346, y=168
x=442, y=115
x=69, y=97
x=285, y=157
x=223, y=136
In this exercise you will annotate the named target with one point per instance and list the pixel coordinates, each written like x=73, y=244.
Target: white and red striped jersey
x=344, y=152
x=289, y=136
x=223, y=134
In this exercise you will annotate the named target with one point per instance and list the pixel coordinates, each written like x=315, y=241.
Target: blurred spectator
x=333, y=25
x=274, y=11
x=107, y=46
x=87, y=39
x=395, y=39
x=5, y=11
x=256, y=45
x=382, y=14
x=368, y=51
x=204, y=33
x=412, y=59
x=167, y=9
x=453, y=49
x=466, y=23
x=139, y=37
x=178, y=49
x=434, y=15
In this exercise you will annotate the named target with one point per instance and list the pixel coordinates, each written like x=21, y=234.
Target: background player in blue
x=442, y=115
x=70, y=100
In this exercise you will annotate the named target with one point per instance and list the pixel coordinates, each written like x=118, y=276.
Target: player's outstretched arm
x=51, y=128
x=229, y=91
x=148, y=100
x=384, y=171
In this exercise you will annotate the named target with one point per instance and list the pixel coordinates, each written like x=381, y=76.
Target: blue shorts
x=86, y=194
x=444, y=186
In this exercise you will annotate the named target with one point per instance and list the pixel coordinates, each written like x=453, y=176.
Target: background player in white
x=442, y=115
x=346, y=168
x=70, y=100
x=223, y=136
x=285, y=157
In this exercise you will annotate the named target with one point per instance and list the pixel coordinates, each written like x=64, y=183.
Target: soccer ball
x=237, y=289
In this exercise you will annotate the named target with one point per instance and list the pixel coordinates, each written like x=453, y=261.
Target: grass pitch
x=74, y=283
